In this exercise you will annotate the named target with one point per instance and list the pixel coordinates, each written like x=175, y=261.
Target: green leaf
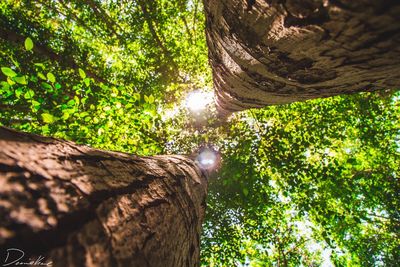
x=47, y=86
x=10, y=81
x=41, y=76
x=245, y=191
x=86, y=81
x=51, y=77
x=29, y=94
x=8, y=72
x=82, y=73
x=20, y=80
x=18, y=92
x=16, y=63
x=45, y=129
x=136, y=97
x=65, y=116
x=151, y=99
x=35, y=103
x=5, y=89
x=28, y=44
x=5, y=86
x=71, y=103
x=83, y=114
x=33, y=78
x=47, y=118
x=40, y=65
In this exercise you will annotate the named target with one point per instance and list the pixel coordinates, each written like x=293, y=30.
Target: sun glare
x=197, y=101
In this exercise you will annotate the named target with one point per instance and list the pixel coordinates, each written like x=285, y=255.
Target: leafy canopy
x=299, y=185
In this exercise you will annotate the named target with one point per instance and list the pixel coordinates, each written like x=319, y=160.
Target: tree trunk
x=78, y=206
x=266, y=52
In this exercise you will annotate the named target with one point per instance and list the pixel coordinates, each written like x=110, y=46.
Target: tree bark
x=79, y=206
x=266, y=52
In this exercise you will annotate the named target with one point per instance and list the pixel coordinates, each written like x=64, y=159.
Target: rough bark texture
x=266, y=52
x=78, y=206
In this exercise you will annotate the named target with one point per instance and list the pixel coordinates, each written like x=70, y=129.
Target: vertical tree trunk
x=79, y=206
x=266, y=52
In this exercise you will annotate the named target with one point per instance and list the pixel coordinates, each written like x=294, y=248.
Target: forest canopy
x=302, y=184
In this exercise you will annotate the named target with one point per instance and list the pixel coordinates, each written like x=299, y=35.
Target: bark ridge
x=267, y=52
x=79, y=206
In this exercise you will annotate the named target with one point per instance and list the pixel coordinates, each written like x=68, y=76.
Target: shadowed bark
x=79, y=206
x=266, y=52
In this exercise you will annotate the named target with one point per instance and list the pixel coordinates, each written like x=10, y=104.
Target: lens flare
x=207, y=158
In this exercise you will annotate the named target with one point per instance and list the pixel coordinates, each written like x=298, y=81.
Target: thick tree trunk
x=266, y=52
x=79, y=206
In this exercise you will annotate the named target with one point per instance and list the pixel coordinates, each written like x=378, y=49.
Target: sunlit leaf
x=71, y=103
x=28, y=44
x=20, y=79
x=4, y=85
x=86, y=81
x=40, y=65
x=29, y=94
x=8, y=72
x=82, y=73
x=51, y=77
x=10, y=81
x=47, y=118
x=151, y=99
x=18, y=92
x=41, y=76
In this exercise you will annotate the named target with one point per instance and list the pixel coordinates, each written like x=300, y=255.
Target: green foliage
x=50, y=76
x=82, y=73
x=97, y=75
x=8, y=72
x=320, y=177
x=28, y=44
x=299, y=184
x=302, y=184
